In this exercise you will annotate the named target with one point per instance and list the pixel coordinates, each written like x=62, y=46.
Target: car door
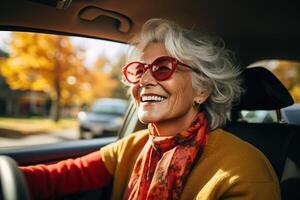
x=52, y=153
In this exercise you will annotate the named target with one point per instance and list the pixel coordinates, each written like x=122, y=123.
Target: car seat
x=279, y=141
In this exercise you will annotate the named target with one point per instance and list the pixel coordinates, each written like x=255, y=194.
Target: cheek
x=183, y=94
x=184, y=97
x=134, y=90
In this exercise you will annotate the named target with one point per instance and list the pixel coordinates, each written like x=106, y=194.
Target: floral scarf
x=164, y=164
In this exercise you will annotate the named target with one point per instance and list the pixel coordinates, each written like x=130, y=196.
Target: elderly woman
x=183, y=86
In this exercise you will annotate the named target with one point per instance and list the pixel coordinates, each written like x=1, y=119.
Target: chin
x=146, y=119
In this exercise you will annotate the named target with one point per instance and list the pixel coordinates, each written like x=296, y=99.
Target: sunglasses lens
x=162, y=69
x=134, y=72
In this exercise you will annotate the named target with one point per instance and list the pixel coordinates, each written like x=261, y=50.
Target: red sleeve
x=67, y=177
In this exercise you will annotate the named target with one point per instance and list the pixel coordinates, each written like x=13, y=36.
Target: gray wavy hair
x=213, y=69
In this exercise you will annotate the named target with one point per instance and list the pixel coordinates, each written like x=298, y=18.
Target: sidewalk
x=38, y=139
x=16, y=128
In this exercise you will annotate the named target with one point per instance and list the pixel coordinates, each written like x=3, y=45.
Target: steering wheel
x=13, y=184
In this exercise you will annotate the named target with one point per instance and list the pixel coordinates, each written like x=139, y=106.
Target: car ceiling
x=254, y=29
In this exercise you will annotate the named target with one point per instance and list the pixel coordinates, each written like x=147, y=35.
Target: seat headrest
x=263, y=91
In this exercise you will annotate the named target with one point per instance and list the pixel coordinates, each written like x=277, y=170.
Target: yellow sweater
x=229, y=168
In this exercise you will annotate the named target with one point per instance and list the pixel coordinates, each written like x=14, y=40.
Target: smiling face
x=168, y=101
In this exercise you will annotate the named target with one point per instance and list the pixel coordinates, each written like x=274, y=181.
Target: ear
x=201, y=96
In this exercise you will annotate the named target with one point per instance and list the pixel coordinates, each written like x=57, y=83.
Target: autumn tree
x=103, y=84
x=48, y=63
x=289, y=74
x=120, y=91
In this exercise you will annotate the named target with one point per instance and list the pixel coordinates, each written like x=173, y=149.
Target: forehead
x=153, y=51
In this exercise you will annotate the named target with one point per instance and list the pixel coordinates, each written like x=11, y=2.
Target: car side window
x=288, y=72
x=57, y=88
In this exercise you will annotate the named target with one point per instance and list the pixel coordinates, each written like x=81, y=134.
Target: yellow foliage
x=40, y=61
x=295, y=92
x=49, y=63
x=289, y=74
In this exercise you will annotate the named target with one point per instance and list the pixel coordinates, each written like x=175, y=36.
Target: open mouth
x=152, y=98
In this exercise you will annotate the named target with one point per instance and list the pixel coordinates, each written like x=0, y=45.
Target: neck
x=173, y=126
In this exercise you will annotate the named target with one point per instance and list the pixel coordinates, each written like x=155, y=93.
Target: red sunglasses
x=161, y=68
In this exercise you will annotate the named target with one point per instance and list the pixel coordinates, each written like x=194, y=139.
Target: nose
x=147, y=79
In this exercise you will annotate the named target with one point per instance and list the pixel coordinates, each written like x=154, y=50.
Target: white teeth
x=152, y=98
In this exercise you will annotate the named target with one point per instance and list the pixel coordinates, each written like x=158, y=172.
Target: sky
x=96, y=47
x=4, y=36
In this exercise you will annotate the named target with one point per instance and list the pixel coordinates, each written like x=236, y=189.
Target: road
x=64, y=135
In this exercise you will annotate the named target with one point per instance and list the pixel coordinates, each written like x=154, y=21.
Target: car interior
x=276, y=140
x=255, y=30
